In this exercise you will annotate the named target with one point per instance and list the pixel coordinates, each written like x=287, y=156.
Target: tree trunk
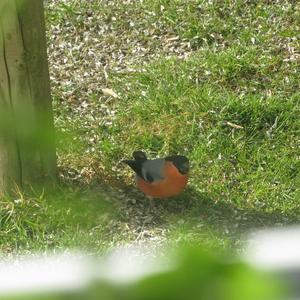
x=27, y=152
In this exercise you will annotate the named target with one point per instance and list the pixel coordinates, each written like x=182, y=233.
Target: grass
x=216, y=81
x=36, y=222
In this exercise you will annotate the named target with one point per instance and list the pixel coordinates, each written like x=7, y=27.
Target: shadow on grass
x=198, y=208
x=99, y=216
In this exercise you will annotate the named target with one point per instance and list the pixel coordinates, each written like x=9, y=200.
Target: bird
x=160, y=177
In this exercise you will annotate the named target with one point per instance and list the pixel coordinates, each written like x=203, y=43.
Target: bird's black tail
x=136, y=163
x=139, y=155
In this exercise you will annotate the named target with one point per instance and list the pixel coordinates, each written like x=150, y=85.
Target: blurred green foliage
x=195, y=275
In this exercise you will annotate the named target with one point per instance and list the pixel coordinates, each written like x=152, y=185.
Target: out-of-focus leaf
x=110, y=92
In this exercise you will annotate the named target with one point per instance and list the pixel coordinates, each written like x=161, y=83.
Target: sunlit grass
x=43, y=220
x=231, y=105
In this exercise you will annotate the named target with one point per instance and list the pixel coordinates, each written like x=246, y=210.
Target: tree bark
x=27, y=152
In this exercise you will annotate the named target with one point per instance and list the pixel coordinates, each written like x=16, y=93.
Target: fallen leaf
x=174, y=38
x=234, y=125
x=109, y=92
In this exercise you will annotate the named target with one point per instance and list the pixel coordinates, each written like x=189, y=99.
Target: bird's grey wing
x=153, y=170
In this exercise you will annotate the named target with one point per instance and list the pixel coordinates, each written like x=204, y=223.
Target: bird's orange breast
x=173, y=183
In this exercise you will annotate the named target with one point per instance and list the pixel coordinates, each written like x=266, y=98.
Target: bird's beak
x=184, y=168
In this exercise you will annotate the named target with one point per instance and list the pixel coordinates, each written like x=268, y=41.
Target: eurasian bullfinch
x=161, y=177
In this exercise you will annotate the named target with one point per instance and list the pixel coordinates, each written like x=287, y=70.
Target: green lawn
x=213, y=80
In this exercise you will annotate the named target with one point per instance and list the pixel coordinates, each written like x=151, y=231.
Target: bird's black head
x=180, y=162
